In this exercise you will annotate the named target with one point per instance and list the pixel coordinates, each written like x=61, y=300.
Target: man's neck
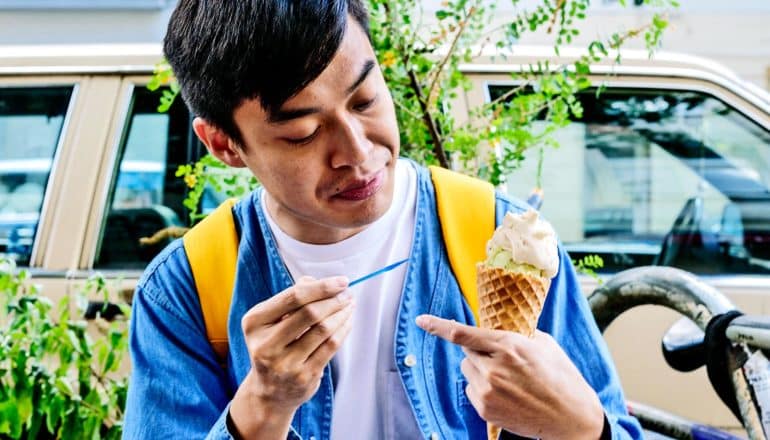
x=306, y=231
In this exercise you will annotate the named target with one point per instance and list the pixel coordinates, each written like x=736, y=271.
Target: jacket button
x=410, y=360
x=434, y=436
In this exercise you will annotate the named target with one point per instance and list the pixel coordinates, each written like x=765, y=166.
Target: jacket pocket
x=400, y=423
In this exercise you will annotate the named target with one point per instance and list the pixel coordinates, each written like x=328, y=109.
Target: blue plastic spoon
x=377, y=272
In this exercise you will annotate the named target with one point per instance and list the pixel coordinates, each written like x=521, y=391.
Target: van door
x=138, y=192
x=55, y=128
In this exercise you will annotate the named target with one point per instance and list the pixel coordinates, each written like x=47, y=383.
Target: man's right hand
x=290, y=338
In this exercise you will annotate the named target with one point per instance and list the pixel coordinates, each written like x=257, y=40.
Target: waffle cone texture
x=509, y=301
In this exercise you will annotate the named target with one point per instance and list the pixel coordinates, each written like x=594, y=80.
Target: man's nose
x=351, y=145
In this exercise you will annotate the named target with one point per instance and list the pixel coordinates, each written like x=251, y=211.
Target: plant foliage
x=58, y=375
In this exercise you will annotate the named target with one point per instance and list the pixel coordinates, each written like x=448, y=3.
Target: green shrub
x=58, y=372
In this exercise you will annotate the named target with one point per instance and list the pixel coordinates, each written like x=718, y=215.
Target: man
x=291, y=90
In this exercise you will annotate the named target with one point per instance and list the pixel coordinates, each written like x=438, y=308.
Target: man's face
x=327, y=157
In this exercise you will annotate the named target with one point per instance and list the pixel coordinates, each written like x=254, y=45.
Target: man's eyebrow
x=281, y=116
x=368, y=66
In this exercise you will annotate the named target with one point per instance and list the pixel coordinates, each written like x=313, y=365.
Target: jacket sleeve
x=177, y=389
x=567, y=317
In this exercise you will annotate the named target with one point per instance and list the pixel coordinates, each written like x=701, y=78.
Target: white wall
x=735, y=34
x=82, y=26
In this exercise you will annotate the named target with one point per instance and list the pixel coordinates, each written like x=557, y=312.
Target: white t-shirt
x=366, y=382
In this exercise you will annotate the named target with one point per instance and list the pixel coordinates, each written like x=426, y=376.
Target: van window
x=146, y=196
x=674, y=178
x=31, y=122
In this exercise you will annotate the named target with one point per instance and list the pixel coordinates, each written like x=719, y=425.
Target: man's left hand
x=527, y=386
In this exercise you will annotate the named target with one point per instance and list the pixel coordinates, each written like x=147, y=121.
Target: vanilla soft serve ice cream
x=524, y=243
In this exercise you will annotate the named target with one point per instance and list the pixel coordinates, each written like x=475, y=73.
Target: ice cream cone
x=522, y=258
x=509, y=301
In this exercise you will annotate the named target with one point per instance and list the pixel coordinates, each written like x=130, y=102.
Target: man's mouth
x=362, y=189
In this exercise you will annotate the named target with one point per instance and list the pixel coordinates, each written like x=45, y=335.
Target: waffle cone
x=509, y=301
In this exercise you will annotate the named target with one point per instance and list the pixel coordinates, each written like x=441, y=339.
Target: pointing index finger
x=478, y=339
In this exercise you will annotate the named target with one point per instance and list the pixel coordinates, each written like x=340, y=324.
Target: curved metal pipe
x=681, y=291
x=665, y=286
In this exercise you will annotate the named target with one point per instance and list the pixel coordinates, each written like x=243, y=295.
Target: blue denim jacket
x=178, y=390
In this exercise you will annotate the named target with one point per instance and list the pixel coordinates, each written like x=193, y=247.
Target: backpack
x=466, y=210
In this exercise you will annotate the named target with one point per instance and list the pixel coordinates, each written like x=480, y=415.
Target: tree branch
x=468, y=126
x=462, y=25
x=430, y=123
x=406, y=110
x=438, y=147
x=556, y=10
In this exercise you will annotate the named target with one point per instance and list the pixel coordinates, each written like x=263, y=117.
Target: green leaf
x=442, y=14
x=70, y=423
x=54, y=413
x=62, y=384
x=110, y=362
x=183, y=170
x=116, y=337
x=154, y=84
x=24, y=402
x=10, y=423
x=659, y=22
x=583, y=83
x=114, y=432
x=91, y=428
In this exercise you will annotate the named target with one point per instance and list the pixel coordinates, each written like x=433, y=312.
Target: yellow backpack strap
x=466, y=210
x=212, y=250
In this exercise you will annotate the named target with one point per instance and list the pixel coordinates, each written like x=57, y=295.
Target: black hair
x=226, y=51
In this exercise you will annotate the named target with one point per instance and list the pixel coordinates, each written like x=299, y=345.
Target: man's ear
x=218, y=143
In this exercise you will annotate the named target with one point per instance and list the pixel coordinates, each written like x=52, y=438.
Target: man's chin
x=359, y=215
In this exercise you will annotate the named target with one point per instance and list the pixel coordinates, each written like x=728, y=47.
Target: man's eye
x=304, y=140
x=365, y=105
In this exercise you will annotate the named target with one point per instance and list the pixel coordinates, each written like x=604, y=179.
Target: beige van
x=669, y=165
